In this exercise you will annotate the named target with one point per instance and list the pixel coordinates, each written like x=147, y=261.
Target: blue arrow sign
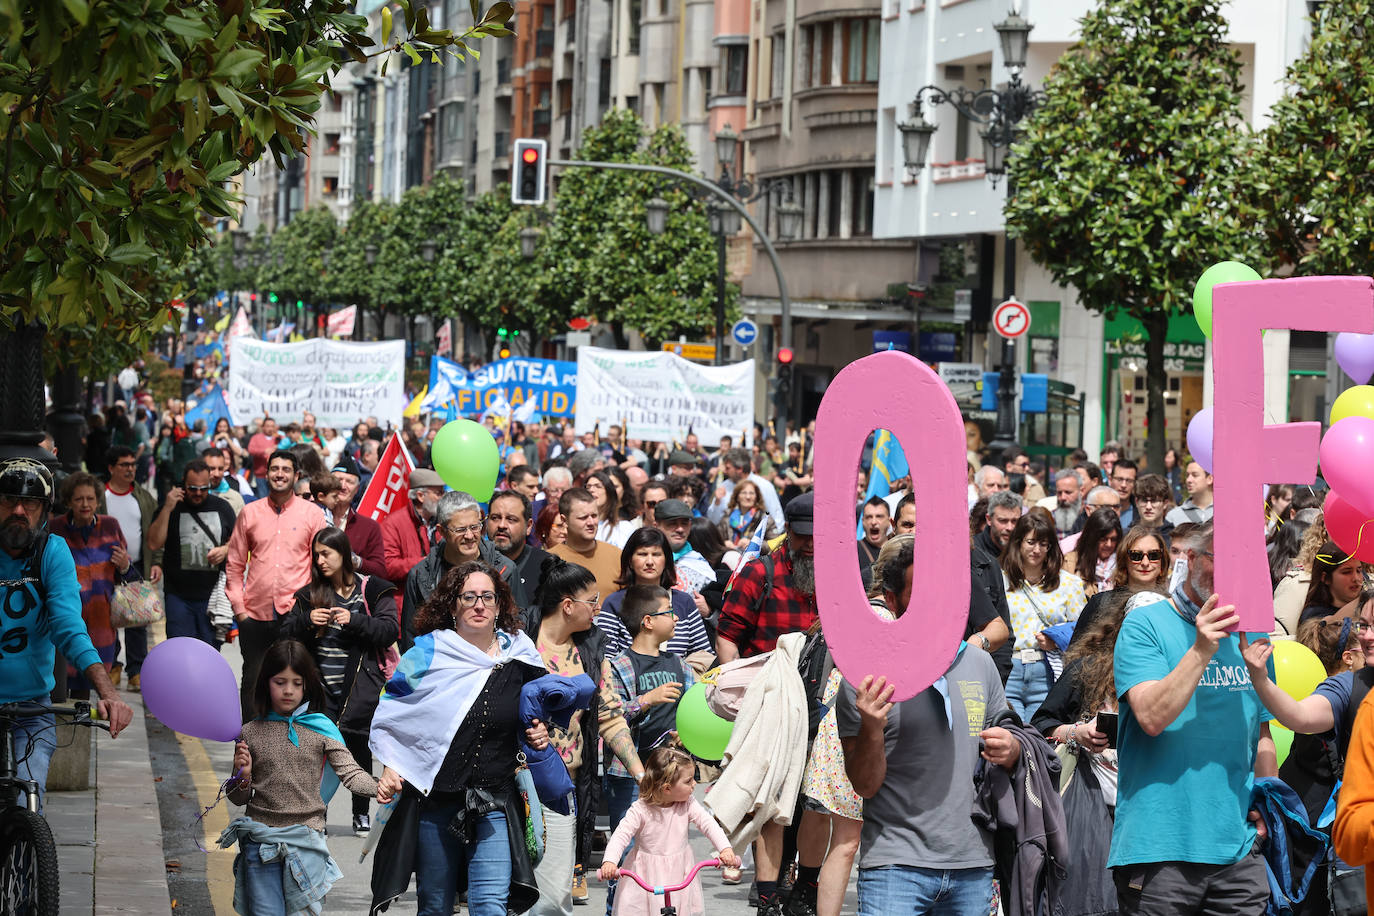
x=744, y=332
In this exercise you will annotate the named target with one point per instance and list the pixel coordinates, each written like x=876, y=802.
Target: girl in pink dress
x=657, y=823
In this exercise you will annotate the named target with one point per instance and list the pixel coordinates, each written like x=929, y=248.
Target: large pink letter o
x=894, y=391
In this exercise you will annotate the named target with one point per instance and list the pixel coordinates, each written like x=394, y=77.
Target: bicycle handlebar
x=691, y=876
x=79, y=712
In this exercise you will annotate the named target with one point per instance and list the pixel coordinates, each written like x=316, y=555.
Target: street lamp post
x=1000, y=111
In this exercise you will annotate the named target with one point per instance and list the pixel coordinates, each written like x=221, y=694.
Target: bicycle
x=28, y=855
x=667, y=892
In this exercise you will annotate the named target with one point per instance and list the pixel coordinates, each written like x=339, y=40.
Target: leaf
x=386, y=25
x=79, y=10
x=498, y=13
x=412, y=53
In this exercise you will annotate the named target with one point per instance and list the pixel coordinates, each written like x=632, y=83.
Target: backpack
x=389, y=657
x=814, y=666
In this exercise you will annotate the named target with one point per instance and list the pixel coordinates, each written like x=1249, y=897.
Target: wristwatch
x=987, y=644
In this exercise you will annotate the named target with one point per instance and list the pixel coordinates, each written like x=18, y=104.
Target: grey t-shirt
x=921, y=815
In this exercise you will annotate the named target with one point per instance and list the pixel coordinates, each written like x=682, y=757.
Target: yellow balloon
x=1354, y=402
x=1297, y=670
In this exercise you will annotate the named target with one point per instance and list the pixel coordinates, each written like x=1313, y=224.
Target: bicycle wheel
x=28, y=865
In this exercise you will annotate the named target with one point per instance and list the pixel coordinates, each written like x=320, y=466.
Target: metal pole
x=1006, y=383
x=784, y=300
x=720, y=300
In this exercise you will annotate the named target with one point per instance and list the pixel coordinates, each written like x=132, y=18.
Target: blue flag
x=210, y=408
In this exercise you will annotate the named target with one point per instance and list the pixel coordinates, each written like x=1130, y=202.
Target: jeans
x=35, y=739
x=905, y=890
x=262, y=882
x=1027, y=686
x=621, y=793
x=440, y=853
x=554, y=873
x=189, y=617
x=255, y=638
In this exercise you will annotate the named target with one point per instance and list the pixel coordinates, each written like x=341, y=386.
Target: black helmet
x=26, y=478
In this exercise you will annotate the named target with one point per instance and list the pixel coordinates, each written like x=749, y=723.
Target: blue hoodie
x=35, y=620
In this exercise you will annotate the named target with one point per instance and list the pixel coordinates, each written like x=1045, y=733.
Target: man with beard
x=674, y=518
x=508, y=527
x=752, y=619
x=217, y=460
x=271, y=544
x=408, y=533
x=42, y=601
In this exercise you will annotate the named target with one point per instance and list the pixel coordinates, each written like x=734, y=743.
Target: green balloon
x=1224, y=272
x=701, y=731
x=1283, y=741
x=465, y=455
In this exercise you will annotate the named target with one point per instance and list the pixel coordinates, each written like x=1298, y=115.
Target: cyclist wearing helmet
x=41, y=602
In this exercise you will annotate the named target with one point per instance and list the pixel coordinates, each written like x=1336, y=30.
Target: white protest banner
x=339, y=382
x=389, y=489
x=660, y=395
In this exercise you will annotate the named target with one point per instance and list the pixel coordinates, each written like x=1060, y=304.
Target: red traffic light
x=529, y=154
x=785, y=356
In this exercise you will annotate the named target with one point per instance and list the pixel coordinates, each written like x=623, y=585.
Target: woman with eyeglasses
x=569, y=643
x=1075, y=715
x=1322, y=723
x=447, y=730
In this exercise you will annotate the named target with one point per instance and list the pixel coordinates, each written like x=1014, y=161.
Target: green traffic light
x=272, y=297
x=300, y=304
x=502, y=333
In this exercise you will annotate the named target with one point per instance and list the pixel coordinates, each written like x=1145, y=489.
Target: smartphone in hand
x=1106, y=724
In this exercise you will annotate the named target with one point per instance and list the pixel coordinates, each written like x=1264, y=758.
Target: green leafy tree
x=295, y=264
x=1312, y=182
x=123, y=121
x=1127, y=178
x=604, y=262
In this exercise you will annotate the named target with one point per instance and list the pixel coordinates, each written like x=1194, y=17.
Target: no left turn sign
x=1011, y=319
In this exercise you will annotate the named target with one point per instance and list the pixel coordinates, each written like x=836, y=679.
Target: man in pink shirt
x=260, y=448
x=276, y=532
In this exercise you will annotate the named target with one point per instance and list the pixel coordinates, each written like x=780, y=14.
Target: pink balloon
x=1347, y=453
x=1355, y=355
x=1351, y=529
x=191, y=689
x=1200, y=438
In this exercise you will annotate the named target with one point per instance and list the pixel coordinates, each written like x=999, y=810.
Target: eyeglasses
x=197, y=489
x=1150, y=500
x=460, y=531
x=1360, y=626
x=470, y=599
x=1137, y=555
x=31, y=504
x=1117, y=478
x=126, y=464
x=593, y=602
x=659, y=613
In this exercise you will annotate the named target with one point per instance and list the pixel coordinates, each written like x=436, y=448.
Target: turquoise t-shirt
x=1184, y=795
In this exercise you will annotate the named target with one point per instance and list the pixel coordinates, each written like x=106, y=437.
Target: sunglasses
x=198, y=489
x=1137, y=555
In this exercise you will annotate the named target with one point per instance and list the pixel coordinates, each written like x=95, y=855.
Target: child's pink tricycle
x=667, y=892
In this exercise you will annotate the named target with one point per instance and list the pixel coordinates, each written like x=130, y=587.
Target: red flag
x=388, y=490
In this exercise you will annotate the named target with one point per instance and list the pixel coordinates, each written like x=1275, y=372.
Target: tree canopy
x=1127, y=179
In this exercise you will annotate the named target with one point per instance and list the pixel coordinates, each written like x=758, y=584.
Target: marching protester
x=191, y=532
x=508, y=527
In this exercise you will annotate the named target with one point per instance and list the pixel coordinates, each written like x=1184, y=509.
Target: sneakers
x=362, y=826
x=117, y=673
x=772, y=908
x=799, y=904
x=579, y=886
x=730, y=875
x=133, y=683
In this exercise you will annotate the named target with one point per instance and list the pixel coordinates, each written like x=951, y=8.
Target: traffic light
x=504, y=352
x=300, y=304
x=271, y=297
x=531, y=172
x=502, y=333
x=782, y=391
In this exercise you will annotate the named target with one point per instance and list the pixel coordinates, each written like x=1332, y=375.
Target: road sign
x=690, y=350
x=1011, y=319
x=744, y=332
x=579, y=339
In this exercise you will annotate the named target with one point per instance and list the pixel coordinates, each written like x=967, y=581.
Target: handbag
x=221, y=612
x=1345, y=886
x=135, y=604
x=534, y=810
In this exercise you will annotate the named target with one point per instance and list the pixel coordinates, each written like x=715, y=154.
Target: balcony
x=957, y=171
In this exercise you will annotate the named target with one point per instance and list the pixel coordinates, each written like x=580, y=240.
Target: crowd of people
x=1101, y=742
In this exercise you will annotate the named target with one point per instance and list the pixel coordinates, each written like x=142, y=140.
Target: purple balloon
x=191, y=689
x=1347, y=452
x=1355, y=354
x=1200, y=438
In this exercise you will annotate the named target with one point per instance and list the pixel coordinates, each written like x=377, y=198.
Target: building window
x=636, y=14
x=861, y=205
x=603, y=87
x=331, y=144
x=777, y=51
x=861, y=50
x=330, y=185
x=735, y=70
x=818, y=71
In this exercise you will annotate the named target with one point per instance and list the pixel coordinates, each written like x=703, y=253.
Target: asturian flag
x=341, y=322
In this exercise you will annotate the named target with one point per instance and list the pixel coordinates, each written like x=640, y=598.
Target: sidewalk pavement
x=109, y=837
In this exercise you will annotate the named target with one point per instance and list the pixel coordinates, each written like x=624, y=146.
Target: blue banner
x=551, y=383
x=210, y=408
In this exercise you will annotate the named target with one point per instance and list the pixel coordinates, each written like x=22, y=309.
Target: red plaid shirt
x=784, y=611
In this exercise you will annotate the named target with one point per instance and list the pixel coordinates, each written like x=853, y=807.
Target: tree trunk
x=1156, y=329
x=618, y=330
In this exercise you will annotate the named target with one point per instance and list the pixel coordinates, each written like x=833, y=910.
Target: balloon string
x=1359, y=539
x=199, y=819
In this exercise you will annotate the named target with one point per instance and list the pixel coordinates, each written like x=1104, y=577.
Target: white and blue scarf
x=429, y=696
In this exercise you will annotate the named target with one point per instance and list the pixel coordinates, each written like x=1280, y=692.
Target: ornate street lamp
x=529, y=241
x=656, y=215
x=370, y=254
x=727, y=148
x=428, y=249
